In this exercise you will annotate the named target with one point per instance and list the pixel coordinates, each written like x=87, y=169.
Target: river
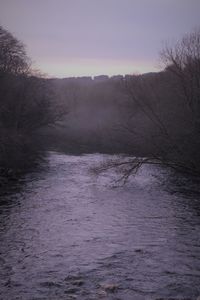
x=68, y=234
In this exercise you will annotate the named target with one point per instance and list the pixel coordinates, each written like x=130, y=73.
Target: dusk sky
x=91, y=37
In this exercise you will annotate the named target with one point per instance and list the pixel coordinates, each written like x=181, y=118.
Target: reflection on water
x=66, y=234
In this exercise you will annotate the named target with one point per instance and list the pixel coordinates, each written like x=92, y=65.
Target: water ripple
x=65, y=234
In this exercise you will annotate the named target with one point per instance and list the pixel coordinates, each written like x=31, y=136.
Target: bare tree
x=170, y=101
x=13, y=58
x=183, y=61
x=27, y=103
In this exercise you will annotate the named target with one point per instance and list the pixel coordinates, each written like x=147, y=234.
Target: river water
x=68, y=234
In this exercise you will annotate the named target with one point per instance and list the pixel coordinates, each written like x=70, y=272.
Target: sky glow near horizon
x=93, y=67
x=91, y=37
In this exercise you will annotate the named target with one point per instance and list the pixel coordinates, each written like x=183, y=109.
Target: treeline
x=169, y=102
x=92, y=124
x=27, y=103
x=155, y=117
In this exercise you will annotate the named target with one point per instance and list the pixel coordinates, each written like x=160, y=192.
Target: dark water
x=66, y=234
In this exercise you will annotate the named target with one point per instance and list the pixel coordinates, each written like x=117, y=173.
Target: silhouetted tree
x=27, y=104
x=166, y=111
x=13, y=58
x=183, y=61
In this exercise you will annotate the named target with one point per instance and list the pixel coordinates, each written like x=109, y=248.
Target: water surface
x=67, y=234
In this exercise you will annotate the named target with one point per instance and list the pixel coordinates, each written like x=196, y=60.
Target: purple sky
x=90, y=37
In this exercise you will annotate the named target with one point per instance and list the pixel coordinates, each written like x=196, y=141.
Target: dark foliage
x=27, y=104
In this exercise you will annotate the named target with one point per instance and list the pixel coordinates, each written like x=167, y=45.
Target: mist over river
x=68, y=234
